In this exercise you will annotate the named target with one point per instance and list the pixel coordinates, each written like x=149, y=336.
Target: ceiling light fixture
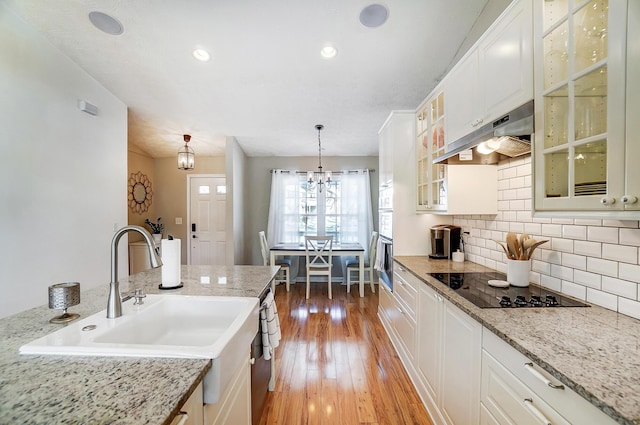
x=319, y=177
x=106, y=23
x=328, y=52
x=186, y=156
x=201, y=55
x=374, y=15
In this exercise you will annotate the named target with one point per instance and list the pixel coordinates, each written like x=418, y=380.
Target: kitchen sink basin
x=216, y=328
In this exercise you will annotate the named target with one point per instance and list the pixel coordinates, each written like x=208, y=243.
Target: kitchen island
x=593, y=351
x=109, y=390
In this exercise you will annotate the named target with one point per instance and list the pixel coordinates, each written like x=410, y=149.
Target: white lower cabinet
x=448, y=360
x=234, y=406
x=191, y=412
x=516, y=391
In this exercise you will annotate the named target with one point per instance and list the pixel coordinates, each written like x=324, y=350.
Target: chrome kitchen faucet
x=114, y=303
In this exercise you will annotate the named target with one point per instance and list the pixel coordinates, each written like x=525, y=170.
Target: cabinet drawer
x=408, y=278
x=385, y=303
x=564, y=400
x=405, y=291
x=511, y=402
x=406, y=329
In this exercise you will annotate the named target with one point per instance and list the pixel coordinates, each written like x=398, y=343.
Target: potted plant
x=156, y=229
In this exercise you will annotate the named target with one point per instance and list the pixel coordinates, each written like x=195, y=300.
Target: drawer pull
x=534, y=410
x=400, y=310
x=541, y=377
x=184, y=419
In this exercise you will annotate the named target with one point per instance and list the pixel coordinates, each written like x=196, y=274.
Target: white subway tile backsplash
x=510, y=194
x=561, y=272
x=574, y=261
x=564, y=245
x=602, y=234
x=592, y=280
x=562, y=220
x=620, y=223
x=552, y=283
x=523, y=170
x=484, y=233
x=541, y=267
x=602, y=299
x=516, y=183
x=604, y=267
x=574, y=232
x=587, y=222
x=629, y=272
x=534, y=278
x=630, y=237
x=524, y=193
x=509, y=173
x=550, y=230
x=551, y=257
x=629, y=307
x=524, y=216
x=502, y=226
x=590, y=249
x=533, y=229
x=620, y=287
x=516, y=227
x=626, y=254
x=509, y=215
x=503, y=184
x=574, y=290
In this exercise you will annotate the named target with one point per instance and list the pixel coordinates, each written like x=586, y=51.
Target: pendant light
x=186, y=156
x=319, y=177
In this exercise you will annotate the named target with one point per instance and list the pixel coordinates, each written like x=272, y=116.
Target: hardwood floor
x=336, y=365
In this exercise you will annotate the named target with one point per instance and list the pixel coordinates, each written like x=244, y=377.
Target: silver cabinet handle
x=541, y=377
x=252, y=360
x=534, y=410
x=400, y=310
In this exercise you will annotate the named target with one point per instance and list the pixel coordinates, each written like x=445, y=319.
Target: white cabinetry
x=586, y=109
x=234, y=406
x=191, y=412
x=495, y=76
x=448, y=359
x=516, y=391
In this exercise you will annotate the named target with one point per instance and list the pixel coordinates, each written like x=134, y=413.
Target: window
x=319, y=212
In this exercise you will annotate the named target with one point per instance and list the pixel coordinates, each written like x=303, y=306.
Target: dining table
x=349, y=249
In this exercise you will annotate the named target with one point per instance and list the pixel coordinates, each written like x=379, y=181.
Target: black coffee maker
x=445, y=239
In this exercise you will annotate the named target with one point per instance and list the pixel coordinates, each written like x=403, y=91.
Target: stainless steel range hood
x=507, y=137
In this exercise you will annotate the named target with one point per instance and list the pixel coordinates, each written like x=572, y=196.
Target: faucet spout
x=114, y=303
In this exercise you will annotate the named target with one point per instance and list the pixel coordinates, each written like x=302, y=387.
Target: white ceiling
x=266, y=84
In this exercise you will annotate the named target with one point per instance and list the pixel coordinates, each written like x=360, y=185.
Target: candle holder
x=61, y=297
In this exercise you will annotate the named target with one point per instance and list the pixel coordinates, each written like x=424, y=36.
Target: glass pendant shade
x=186, y=156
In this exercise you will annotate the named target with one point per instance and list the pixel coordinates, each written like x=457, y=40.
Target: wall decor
x=140, y=192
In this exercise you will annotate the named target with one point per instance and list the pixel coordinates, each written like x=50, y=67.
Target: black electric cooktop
x=475, y=288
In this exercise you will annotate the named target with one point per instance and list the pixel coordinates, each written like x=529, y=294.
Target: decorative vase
x=157, y=237
x=518, y=272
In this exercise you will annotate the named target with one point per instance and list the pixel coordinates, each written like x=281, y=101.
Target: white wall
x=238, y=193
x=591, y=259
x=63, y=173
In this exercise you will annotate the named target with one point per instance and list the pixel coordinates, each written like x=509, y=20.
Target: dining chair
x=285, y=264
x=354, y=265
x=318, y=251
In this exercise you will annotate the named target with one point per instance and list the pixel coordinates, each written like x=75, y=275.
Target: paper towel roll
x=170, y=263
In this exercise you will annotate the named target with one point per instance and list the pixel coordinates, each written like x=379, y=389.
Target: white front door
x=207, y=220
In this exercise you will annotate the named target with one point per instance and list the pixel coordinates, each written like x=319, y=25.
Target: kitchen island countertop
x=593, y=351
x=109, y=390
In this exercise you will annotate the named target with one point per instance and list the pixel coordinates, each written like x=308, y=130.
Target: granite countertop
x=109, y=390
x=594, y=351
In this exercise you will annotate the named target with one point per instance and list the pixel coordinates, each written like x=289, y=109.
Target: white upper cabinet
x=495, y=76
x=586, y=108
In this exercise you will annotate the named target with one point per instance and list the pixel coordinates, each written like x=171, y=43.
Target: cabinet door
x=462, y=98
x=633, y=107
x=506, y=62
x=430, y=144
x=429, y=326
x=461, y=361
x=580, y=106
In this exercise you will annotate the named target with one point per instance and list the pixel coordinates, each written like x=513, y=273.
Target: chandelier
x=186, y=156
x=319, y=177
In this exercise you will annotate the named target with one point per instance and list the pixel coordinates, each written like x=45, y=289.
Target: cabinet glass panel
x=590, y=165
x=556, y=56
x=556, y=113
x=590, y=34
x=439, y=193
x=553, y=11
x=591, y=104
x=557, y=174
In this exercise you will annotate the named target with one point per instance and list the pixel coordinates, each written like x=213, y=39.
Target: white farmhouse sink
x=216, y=328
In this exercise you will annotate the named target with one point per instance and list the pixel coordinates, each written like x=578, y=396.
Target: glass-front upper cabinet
x=580, y=57
x=431, y=184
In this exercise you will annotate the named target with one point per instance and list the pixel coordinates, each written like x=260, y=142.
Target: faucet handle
x=139, y=295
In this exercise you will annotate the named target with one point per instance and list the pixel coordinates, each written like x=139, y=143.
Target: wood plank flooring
x=336, y=365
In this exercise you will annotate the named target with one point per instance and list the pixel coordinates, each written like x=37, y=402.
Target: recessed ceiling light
x=374, y=15
x=328, y=52
x=201, y=55
x=106, y=23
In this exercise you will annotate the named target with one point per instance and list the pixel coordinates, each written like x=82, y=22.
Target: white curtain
x=355, y=208
x=283, y=208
